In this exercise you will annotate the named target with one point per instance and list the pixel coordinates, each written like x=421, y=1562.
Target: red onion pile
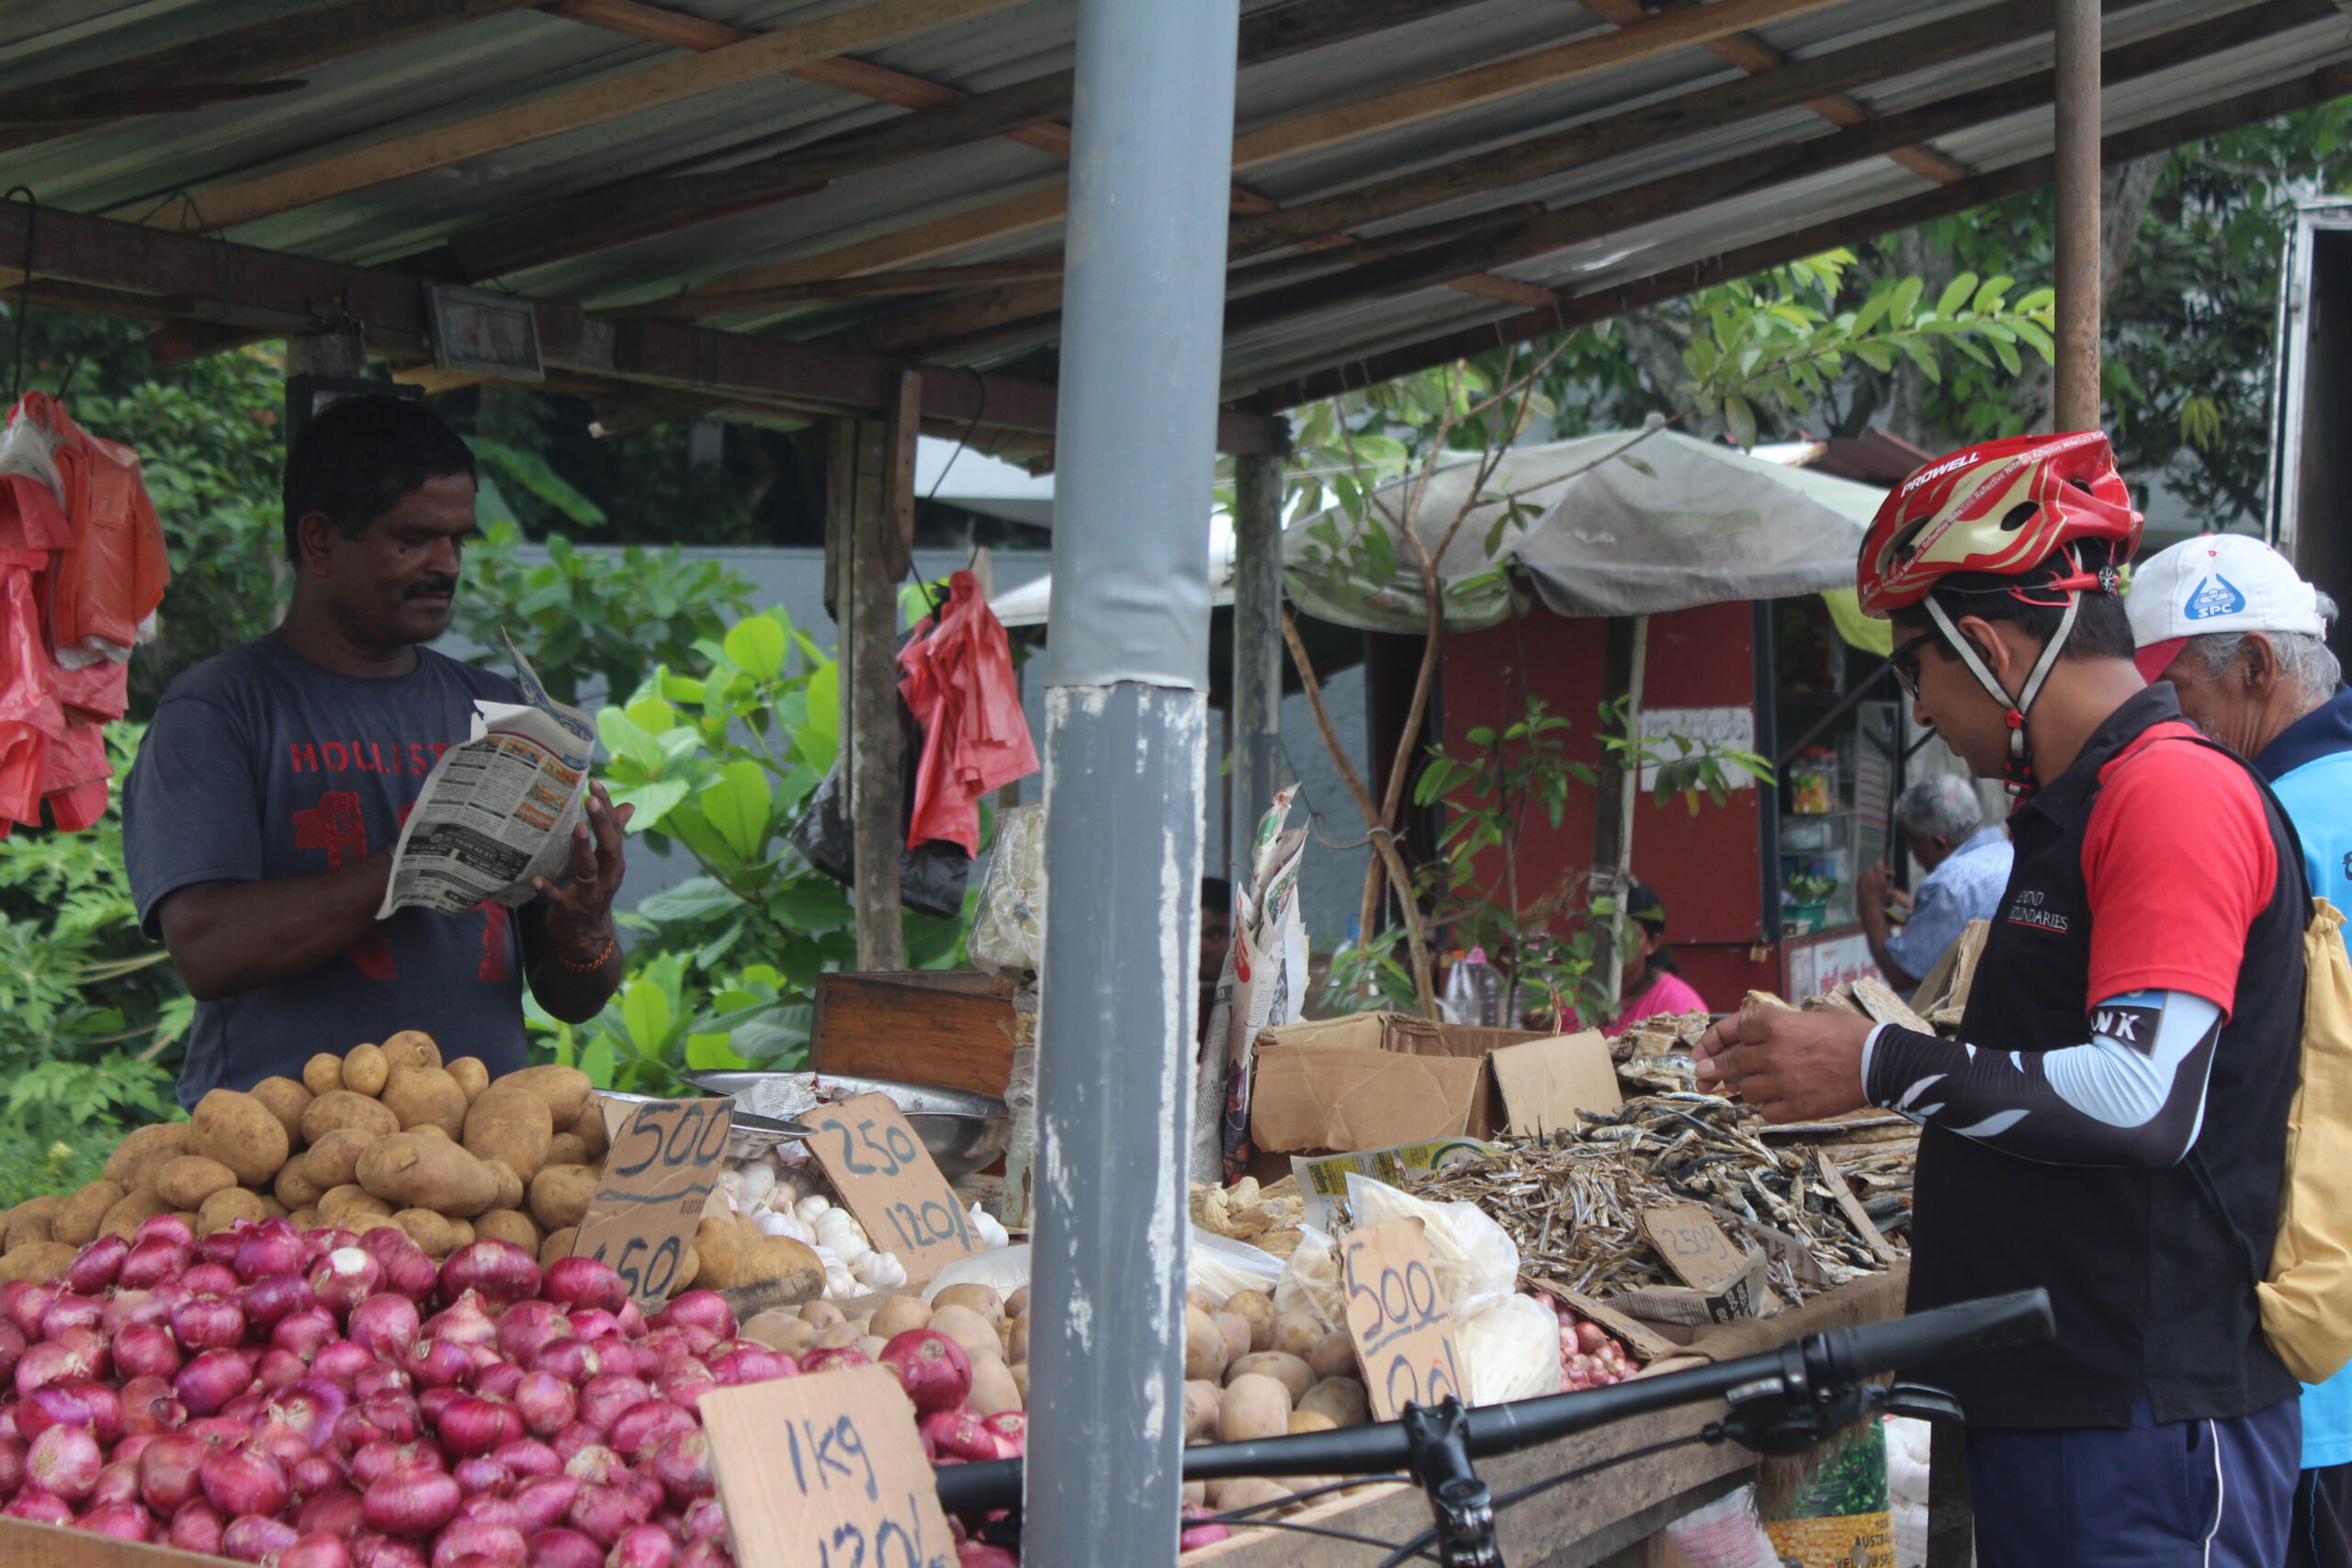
x=1588, y=1356
x=317, y=1398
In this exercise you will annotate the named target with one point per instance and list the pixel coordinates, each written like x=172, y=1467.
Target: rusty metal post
x=2080, y=291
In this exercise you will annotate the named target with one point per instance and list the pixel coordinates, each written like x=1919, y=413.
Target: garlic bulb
x=809, y=1208
x=770, y=1222
x=732, y=1183
x=984, y=1226
x=880, y=1271
x=838, y=1230
x=754, y=1180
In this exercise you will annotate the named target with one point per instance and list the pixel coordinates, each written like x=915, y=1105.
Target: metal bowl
x=962, y=1131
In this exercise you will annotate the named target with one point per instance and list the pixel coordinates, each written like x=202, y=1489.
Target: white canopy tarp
x=1622, y=524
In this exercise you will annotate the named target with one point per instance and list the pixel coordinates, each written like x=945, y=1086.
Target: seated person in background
x=1967, y=865
x=1648, y=982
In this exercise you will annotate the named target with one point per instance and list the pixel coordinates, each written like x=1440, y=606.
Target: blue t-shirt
x=2310, y=766
x=259, y=765
x=1966, y=886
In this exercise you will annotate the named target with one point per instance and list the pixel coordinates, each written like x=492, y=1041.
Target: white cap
x=2215, y=583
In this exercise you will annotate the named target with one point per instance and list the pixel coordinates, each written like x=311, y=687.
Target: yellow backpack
x=2307, y=1301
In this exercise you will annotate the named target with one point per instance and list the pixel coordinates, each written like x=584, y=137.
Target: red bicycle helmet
x=2006, y=509
x=2003, y=507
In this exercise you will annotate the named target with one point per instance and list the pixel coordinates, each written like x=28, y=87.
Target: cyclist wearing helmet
x=2111, y=1123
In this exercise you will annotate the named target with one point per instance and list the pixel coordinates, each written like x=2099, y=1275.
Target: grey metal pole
x=1125, y=725
x=2079, y=287
x=1256, y=641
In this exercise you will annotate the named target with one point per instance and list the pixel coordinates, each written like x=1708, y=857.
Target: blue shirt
x=2310, y=766
x=260, y=764
x=1966, y=886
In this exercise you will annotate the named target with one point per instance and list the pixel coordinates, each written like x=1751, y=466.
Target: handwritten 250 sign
x=1398, y=1318
x=890, y=1183
x=825, y=1472
x=663, y=1161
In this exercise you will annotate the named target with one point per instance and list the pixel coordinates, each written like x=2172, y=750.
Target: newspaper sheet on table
x=496, y=812
x=1264, y=985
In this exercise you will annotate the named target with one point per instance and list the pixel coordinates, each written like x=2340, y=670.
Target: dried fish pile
x=1573, y=1201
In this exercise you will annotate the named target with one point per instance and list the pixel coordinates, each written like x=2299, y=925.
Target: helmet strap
x=2018, y=773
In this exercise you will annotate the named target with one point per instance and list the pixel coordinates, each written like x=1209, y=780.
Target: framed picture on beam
x=479, y=333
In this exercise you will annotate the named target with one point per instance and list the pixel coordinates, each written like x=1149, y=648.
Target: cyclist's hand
x=1793, y=1066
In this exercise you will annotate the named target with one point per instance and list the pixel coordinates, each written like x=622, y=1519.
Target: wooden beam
x=1613, y=298
x=1327, y=218
x=593, y=103
x=33, y=110
x=242, y=57
x=914, y=280
x=1467, y=89
x=1028, y=111
x=134, y=270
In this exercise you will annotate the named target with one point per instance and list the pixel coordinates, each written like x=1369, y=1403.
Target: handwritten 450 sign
x=663, y=1161
x=890, y=1181
x=1398, y=1318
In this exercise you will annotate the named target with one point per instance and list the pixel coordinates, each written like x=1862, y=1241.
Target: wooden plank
x=867, y=285
x=1028, y=111
x=1584, y=56
x=1686, y=276
x=998, y=220
x=1689, y=190
x=594, y=103
x=1310, y=222
x=868, y=595
x=1707, y=108
x=278, y=46
x=949, y=1027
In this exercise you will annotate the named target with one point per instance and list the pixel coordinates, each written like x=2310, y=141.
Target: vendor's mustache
x=424, y=586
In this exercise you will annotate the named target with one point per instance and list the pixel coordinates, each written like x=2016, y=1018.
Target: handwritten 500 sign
x=657, y=1176
x=890, y=1183
x=1398, y=1318
x=825, y=1472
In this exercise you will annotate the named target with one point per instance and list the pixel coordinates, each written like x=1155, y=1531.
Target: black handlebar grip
x=1964, y=1328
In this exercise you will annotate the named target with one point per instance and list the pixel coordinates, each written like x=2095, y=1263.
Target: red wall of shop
x=1704, y=867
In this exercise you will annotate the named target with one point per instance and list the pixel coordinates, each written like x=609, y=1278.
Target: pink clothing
x=1667, y=992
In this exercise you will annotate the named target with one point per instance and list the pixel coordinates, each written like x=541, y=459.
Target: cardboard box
x=1544, y=1083
x=1369, y=1081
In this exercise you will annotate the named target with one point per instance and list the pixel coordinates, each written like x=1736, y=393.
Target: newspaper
x=497, y=812
x=1263, y=986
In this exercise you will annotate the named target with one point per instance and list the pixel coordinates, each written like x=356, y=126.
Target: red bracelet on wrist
x=611, y=942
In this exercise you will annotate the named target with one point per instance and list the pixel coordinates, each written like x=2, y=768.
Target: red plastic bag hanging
x=957, y=676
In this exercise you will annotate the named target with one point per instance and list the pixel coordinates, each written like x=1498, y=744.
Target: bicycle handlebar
x=1838, y=1356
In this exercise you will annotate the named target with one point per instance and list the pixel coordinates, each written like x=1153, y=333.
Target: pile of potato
x=382, y=1135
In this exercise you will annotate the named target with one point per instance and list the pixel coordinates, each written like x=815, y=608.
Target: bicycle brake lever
x=1792, y=1410
x=1926, y=1404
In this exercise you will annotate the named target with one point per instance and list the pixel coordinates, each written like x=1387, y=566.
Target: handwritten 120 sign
x=825, y=1472
x=664, y=1160
x=890, y=1181
x=1398, y=1318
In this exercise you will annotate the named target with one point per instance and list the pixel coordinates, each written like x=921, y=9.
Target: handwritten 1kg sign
x=1398, y=1318
x=890, y=1181
x=664, y=1160
x=825, y=1472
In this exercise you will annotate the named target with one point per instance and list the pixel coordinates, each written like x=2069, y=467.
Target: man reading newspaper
x=261, y=818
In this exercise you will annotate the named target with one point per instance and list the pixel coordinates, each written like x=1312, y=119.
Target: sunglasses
x=1905, y=660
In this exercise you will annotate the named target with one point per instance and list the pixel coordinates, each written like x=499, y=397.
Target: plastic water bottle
x=1474, y=991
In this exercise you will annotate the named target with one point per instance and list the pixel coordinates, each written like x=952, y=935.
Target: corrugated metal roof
x=134, y=167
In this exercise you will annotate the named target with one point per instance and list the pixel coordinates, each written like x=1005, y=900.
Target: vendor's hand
x=1791, y=1066
x=580, y=911
x=1899, y=898
x=1870, y=888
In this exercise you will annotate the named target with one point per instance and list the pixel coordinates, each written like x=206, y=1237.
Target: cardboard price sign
x=888, y=1180
x=1695, y=1248
x=1398, y=1318
x=825, y=1472
x=664, y=1160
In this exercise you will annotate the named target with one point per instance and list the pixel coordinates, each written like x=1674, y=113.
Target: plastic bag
x=1219, y=1266
x=1725, y=1533
x=1511, y=1351
x=931, y=879
x=1310, y=1281
x=1475, y=1260
x=1008, y=928
x=958, y=684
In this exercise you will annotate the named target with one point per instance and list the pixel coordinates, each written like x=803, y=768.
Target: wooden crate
x=948, y=1027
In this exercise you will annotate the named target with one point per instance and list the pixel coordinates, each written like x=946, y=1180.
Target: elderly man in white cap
x=2242, y=639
